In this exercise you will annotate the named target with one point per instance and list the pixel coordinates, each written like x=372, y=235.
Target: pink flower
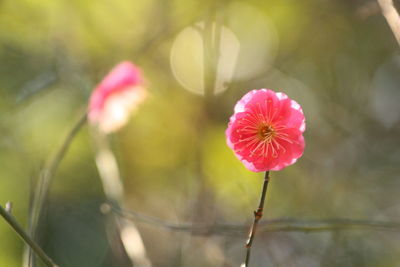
x=116, y=97
x=266, y=130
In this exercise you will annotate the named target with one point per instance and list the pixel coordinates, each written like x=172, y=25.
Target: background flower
x=265, y=132
x=114, y=99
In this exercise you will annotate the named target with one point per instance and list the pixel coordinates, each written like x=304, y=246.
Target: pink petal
x=116, y=97
x=259, y=108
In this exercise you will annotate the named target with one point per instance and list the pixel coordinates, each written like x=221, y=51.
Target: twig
x=392, y=17
x=24, y=236
x=272, y=225
x=257, y=216
x=48, y=172
x=46, y=176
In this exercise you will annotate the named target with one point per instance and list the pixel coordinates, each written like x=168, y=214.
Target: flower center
x=266, y=133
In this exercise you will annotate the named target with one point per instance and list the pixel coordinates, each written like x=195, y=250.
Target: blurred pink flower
x=116, y=97
x=266, y=130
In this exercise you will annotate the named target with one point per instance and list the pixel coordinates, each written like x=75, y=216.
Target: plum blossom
x=266, y=130
x=116, y=97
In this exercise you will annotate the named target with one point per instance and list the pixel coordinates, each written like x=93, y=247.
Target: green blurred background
x=338, y=59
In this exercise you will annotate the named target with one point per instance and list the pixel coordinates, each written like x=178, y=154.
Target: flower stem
x=24, y=236
x=257, y=216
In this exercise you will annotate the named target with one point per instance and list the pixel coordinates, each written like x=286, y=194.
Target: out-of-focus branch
x=392, y=17
x=45, y=178
x=114, y=191
x=49, y=170
x=273, y=225
x=5, y=213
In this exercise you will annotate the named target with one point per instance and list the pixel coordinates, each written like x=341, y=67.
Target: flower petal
x=265, y=108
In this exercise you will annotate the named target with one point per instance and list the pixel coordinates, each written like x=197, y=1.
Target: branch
x=46, y=176
x=257, y=216
x=49, y=170
x=392, y=17
x=114, y=190
x=272, y=225
x=24, y=236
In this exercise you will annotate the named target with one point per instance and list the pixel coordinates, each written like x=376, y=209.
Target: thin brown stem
x=24, y=236
x=257, y=216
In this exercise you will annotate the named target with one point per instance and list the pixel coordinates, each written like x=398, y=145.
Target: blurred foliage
x=338, y=59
